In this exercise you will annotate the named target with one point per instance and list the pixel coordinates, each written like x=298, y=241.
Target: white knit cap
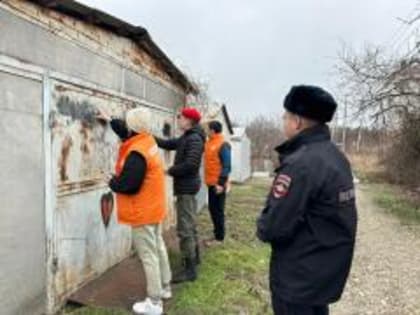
x=139, y=119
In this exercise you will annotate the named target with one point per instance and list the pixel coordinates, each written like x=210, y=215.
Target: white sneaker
x=147, y=307
x=166, y=293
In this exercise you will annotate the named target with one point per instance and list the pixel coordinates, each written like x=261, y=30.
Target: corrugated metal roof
x=136, y=33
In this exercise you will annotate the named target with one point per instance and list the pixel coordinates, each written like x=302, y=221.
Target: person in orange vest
x=217, y=161
x=310, y=214
x=139, y=184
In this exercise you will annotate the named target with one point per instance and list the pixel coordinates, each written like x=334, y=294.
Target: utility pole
x=344, y=132
x=359, y=136
x=334, y=128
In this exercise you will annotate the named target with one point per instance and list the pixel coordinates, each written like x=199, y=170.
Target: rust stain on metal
x=68, y=188
x=62, y=162
x=69, y=280
x=61, y=88
x=53, y=120
x=141, y=59
x=84, y=146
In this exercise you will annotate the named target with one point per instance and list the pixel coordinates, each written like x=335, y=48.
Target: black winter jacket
x=134, y=171
x=186, y=169
x=310, y=220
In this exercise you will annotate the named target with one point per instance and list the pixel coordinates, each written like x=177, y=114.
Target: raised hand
x=102, y=115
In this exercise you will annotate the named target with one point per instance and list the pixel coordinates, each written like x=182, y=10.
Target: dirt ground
x=385, y=277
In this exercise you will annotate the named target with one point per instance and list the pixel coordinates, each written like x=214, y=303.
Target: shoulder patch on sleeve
x=281, y=185
x=346, y=195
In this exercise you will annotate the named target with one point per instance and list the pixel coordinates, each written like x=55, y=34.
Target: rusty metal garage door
x=88, y=239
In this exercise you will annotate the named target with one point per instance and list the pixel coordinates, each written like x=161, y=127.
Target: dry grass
x=398, y=200
x=368, y=167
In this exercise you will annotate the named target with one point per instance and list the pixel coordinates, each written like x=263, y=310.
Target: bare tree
x=378, y=88
x=265, y=134
x=202, y=99
x=384, y=92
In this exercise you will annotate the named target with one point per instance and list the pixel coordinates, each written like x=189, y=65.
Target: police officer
x=310, y=214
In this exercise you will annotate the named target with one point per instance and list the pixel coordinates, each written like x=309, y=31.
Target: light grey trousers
x=151, y=249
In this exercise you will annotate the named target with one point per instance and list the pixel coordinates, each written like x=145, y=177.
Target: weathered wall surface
x=88, y=69
x=59, y=43
x=241, y=159
x=22, y=227
x=84, y=152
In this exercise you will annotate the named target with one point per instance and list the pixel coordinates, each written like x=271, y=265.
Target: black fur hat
x=311, y=102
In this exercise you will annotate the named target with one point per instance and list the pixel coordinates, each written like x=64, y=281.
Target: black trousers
x=217, y=212
x=283, y=308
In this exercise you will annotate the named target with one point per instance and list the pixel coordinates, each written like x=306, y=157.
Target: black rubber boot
x=188, y=274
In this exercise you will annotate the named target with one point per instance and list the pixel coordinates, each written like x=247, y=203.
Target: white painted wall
x=241, y=158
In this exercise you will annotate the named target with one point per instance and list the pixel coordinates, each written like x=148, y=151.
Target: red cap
x=191, y=113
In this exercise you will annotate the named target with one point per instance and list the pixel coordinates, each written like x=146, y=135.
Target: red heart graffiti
x=107, y=205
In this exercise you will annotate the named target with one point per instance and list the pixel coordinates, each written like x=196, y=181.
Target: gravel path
x=385, y=278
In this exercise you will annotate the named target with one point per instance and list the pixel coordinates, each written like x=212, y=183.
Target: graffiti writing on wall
x=84, y=147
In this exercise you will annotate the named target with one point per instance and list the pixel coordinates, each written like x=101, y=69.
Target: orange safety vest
x=148, y=205
x=213, y=165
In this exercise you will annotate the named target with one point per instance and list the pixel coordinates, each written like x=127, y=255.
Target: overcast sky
x=251, y=52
